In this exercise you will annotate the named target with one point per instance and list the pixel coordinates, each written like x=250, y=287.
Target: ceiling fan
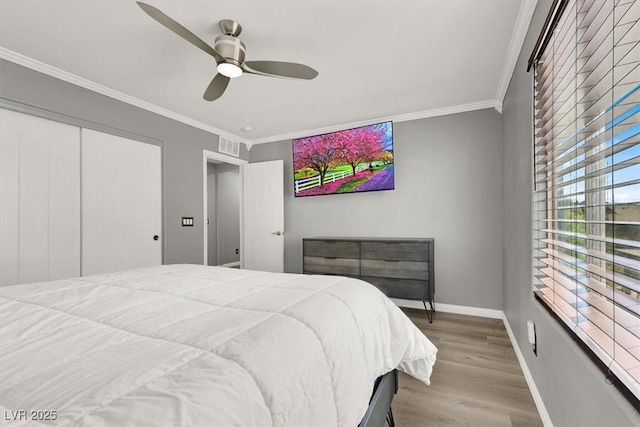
x=229, y=54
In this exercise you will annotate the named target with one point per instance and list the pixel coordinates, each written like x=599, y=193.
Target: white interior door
x=121, y=203
x=39, y=199
x=263, y=216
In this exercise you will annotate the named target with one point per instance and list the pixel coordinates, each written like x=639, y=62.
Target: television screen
x=347, y=161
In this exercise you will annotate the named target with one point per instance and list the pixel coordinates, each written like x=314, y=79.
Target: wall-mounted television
x=346, y=161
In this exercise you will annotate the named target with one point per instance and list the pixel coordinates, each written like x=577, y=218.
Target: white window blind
x=587, y=179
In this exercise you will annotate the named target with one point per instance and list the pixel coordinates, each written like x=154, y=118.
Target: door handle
x=278, y=233
x=156, y=237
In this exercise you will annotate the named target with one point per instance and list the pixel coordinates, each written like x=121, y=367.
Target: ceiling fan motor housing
x=231, y=48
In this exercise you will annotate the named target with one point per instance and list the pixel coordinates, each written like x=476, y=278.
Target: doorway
x=223, y=214
x=222, y=203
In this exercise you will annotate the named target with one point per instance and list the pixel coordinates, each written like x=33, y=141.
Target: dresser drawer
x=331, y=248
x=399, y=267
x=335, y=266
x=395, y=269
x=401, y=288
x=401, y=251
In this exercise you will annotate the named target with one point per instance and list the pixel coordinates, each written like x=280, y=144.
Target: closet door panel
x=9, y=197
x=149, y=204
x=99, y=205
x=121, y=197
x=34, y=204
x=40, y=199
x=64, y=209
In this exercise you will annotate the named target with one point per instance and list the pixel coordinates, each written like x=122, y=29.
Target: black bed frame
x=379, y=410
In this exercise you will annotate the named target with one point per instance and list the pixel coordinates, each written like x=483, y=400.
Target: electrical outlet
x=531, y=334
x=237, y=251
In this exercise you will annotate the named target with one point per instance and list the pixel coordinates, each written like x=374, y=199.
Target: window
x=587, y=178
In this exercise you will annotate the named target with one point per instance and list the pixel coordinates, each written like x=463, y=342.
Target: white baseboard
x=492, y=314
x=451, y=308
x=235, y=264
x=542, y=410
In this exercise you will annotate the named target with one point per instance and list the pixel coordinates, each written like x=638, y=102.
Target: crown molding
x=482, y=105
x=525, y=13
x=57, y=73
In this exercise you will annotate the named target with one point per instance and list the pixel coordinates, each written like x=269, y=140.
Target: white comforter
x=201, y=346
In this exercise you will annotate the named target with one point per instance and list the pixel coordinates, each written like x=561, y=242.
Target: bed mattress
x=193, y=345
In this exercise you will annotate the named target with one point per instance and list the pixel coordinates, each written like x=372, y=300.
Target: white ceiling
x=376, y=59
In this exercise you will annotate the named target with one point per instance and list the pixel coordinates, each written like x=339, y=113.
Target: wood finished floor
x=476, y=380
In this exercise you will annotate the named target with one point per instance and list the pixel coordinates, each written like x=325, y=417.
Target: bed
x=194, y=345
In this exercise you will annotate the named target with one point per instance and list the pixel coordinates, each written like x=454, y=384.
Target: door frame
x=218, y=157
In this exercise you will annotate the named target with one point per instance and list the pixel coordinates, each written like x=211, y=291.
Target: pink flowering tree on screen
x=317, y=152
x=361, y=145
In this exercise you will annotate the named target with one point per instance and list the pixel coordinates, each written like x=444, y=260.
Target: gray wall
x=182, y=146
x=228, y=205
x=448, y=178
x=573, y=389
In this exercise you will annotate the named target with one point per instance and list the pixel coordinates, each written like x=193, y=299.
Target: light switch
x=187, y=221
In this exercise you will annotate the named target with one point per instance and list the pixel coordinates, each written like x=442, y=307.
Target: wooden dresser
x=401, y=268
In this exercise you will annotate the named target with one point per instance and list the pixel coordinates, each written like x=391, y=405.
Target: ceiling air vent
x=228, y=146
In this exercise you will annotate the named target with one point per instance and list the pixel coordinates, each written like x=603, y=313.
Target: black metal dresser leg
x=390, y=419
x=429, y=313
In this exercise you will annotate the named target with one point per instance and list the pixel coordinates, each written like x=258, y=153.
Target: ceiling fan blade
x=177, y=28
x=216, y=88
x=288, y=70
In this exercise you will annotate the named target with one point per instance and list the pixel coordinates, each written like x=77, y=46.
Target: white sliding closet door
x=39, y=199
x=121, y=203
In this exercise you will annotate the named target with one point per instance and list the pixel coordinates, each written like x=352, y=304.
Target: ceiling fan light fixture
x=229, y=52
x=229, y=70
